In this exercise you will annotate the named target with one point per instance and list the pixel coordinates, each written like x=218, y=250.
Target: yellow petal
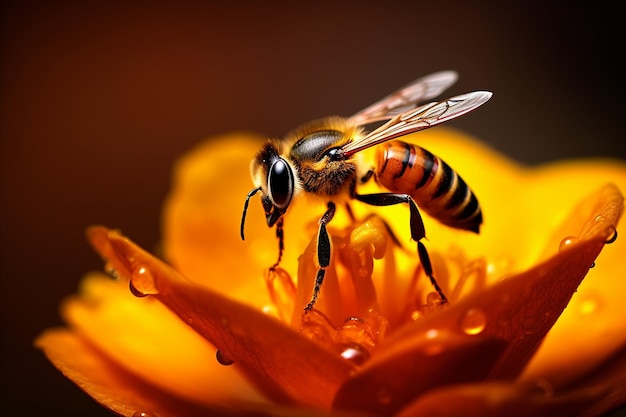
x=144, y=337
x=127, y=395
x=202, y=216
x=107, y=382
x=593, y=326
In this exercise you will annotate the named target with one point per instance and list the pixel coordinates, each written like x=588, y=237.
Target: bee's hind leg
x=323, y=253
x=418, y=231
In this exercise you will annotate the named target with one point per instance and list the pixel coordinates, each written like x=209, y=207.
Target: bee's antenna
x=245, y=209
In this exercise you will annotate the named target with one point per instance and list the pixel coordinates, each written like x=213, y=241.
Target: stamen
x=282, y=291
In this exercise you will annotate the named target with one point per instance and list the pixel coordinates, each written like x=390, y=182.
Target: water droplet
x=611, y=235
x=589, y=305
x=355, y=354
x=356, y=331
x=433, y=299
x=431, y=333
x=567, y=243
x=142, y=282
x=433, y=345
x=223, y=360
x=134, y=291
x=417, y=315
x=111, y=271
x=144, y=414
x=473, y=321
x=499, y=265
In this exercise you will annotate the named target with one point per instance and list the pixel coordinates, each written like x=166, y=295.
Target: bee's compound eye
x=280, y=183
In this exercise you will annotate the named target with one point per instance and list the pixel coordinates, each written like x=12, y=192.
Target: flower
x=521, y=334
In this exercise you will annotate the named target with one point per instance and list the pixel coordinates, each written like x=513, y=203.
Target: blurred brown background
x=99, y=99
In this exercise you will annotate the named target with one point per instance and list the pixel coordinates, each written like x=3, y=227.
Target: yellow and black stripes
x=437, y=188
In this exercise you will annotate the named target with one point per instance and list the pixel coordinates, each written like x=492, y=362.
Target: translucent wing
x=406, y=98
x=421, y=118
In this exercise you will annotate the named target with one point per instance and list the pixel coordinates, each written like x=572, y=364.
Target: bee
x=320, y=158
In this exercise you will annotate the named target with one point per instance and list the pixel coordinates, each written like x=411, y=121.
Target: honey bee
x=320, y=158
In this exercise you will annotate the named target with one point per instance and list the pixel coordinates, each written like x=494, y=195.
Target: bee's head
x=274, y=177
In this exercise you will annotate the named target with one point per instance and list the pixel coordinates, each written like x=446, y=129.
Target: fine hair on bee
x=320, y=158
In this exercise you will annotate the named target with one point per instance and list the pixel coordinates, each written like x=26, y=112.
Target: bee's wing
x=421, y=118
x=406, y=98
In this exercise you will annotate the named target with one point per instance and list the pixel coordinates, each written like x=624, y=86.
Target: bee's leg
x=280, y=235
x=417, y=229
x=323, y=253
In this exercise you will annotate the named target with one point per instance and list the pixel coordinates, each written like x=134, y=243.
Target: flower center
x=372, y=287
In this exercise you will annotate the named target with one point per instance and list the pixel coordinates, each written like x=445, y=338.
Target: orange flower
x=521, y=335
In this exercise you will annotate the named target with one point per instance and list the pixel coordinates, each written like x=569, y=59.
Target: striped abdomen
x=435, y=187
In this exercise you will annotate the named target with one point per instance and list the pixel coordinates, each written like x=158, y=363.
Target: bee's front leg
x=323, y=253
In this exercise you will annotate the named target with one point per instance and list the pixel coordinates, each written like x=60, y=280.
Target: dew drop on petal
x=355, y=354
x=433, y=346
x=144, y=414
x=473, y=321
x=417, y=315
x=589, y=305
x=142, y=282
x=223, y=360
x=431, y=333
x=567, y=243
x=611, y=233
x=110, y=270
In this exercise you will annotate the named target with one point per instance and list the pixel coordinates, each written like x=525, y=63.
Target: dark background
x=98, y=100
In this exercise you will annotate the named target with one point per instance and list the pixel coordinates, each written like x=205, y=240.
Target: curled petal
x=256, y=342
x=149, y=341
x=522, y=308
x=594, y=324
